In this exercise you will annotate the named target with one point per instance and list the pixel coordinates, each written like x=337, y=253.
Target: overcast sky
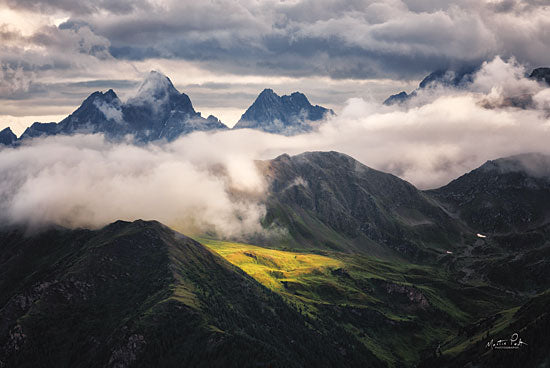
x=54, y=53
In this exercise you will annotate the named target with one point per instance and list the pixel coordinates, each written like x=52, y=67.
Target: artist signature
x=514, y=342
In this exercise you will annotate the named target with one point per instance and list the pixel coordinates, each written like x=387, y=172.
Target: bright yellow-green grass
x=311, y=281
x=272, y=267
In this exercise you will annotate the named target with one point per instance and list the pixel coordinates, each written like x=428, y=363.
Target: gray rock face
x=158, y=111
x=7, y=137
x=288, y=115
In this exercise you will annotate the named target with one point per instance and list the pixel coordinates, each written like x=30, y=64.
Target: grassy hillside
x=398, y=310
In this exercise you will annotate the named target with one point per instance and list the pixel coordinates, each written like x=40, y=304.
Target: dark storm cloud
x=342, y=39
x=77, y=7
x=23, y=58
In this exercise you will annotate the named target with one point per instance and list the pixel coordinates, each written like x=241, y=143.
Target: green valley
x=399, y=310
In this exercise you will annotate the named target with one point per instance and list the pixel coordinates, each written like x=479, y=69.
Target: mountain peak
x=267, y=96
x=288, y=114
x=7, y=137
x=110, y=95
x=299, y=99
x=154, y=88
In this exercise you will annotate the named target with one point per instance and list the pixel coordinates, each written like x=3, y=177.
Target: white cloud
x=110, y=112
x=196, y=183
x=86, y=181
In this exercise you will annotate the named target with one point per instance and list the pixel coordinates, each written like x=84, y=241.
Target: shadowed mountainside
x=329, y=200
x=138, y=294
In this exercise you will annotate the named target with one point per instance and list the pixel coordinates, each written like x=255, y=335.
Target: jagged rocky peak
x=98, y=101
x=267, y=94
x=7, y=137
x=213, y=119
x=289, y=114
x=158, y=111
x=397, y=98
x=297, y=98
x=108, y=96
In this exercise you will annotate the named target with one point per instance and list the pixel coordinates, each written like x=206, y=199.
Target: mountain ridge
x=139, y=294
x=158, y=111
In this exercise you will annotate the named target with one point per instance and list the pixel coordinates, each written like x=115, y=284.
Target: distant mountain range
x=356, y=267
x=160, y=112
x=460, y=79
